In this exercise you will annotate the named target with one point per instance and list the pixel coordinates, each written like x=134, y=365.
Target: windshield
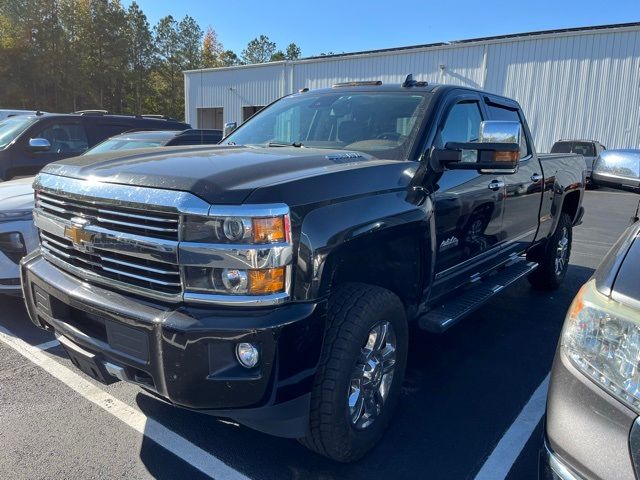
x=12, y=127
x=380, y=124
x=112, y=144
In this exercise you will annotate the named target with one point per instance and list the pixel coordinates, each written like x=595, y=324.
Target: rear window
x=586, y=149
x=561, y=147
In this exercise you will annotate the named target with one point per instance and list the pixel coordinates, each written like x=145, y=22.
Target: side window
x=510, y=115
x=462, y=123
x=65, y=137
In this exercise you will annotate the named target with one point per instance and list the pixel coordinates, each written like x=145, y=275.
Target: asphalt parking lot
x=466, y=412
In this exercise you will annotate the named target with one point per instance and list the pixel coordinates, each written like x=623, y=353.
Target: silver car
x=18, y=235
x=618, y=169
x=592, y=428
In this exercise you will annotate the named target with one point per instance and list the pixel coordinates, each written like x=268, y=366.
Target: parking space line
x=506, y=452
x=134, y=418
x=48, y=345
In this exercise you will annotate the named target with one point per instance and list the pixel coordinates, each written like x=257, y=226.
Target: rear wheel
x=360, y=374
x=554, y=257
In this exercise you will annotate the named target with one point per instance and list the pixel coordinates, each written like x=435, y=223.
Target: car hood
x=16, y=194
x=218, y=174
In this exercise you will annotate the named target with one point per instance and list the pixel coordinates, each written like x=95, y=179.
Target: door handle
x=536, y=177
x=496, y=185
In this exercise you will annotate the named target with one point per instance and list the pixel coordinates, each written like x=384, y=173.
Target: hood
x=218, y=174
x=16, y=194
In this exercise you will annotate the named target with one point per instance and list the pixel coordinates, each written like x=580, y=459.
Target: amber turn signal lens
x=507, y=156
x=267, y=281
x=269, y=230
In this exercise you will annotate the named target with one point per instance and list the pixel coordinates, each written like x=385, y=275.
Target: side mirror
x=39, y=145
x=498, y=148
x=229, y=127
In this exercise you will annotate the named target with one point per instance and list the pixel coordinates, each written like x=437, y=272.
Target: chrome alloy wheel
x=562, y=251
x=372, y=376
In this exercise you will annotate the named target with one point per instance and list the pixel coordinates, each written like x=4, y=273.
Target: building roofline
x=454, y=43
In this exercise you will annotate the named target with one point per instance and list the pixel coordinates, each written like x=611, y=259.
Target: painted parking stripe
x=504, y=455
x=171, y=441
x=48, y=345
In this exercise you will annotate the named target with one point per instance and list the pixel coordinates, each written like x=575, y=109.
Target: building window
x=248, y=112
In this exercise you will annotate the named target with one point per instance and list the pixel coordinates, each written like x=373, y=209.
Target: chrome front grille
x=120, y=236
x=150, y=224
x=140, y=272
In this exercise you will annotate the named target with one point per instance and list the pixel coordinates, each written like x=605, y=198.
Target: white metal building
x=575, y=83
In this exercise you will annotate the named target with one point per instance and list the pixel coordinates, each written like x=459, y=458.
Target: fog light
x=247, y=354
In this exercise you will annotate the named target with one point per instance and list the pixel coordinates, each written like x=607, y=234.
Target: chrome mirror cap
x=39, y=144
x=500, y=132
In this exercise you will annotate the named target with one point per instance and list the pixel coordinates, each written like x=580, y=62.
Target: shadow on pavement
x=462, y=391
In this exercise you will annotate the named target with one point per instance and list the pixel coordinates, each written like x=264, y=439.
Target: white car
x=18, y=235
x=12, y=113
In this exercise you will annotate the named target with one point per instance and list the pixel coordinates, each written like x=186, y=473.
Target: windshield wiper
x=282, y=144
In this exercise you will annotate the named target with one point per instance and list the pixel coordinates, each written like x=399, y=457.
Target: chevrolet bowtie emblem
x=77, y=233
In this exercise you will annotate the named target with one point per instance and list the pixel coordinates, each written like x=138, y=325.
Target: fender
x=382, y=239
x=566, y=183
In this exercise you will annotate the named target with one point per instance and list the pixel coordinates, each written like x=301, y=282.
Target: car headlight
x=237, y=230
x=16, y=215
x=13, y=246
x=237, y=251
x=602, y=338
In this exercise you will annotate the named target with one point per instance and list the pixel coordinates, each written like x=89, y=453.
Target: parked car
x=4, y=113
x=29, y=142
x=272, y=279
x=18, y=234
x=589, y=149
x=592, y=423
x=159, y=138
x=618, y=169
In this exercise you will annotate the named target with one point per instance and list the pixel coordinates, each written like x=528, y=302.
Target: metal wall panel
x=570, y=84
x=579, y=86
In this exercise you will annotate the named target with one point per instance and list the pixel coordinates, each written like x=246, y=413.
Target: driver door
x=468, y=205
x=67, y=138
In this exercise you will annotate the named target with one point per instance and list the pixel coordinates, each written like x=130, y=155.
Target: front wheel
x=554, y=258
x=361, y=371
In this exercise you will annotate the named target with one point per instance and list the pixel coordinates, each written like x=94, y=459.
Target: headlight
x=13, y=246
x=237, y=252
x=237, y=282
x=236, y=230
x=602, y=338
x=16, y=215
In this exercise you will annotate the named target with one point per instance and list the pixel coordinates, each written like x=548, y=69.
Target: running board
x=442, y=317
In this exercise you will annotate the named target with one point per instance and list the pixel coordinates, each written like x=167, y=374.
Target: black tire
x=547, y=276
x=354, y=310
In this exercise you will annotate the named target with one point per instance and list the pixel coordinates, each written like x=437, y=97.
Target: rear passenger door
x=68, y=138
x=523, y=189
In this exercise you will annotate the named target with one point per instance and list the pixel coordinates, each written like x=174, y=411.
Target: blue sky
x=353, y=25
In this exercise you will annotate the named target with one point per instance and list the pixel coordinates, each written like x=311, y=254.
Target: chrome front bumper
x=552, y=467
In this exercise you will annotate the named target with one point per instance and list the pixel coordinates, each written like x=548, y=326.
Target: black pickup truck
x=274, y=279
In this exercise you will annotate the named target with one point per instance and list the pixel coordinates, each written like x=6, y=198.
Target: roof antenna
x=410, y=82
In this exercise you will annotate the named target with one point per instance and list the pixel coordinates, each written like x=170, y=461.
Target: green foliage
x=278, y=56
x=68, y=55
x=229, y=59
x=259, y=50
x=293, y=52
